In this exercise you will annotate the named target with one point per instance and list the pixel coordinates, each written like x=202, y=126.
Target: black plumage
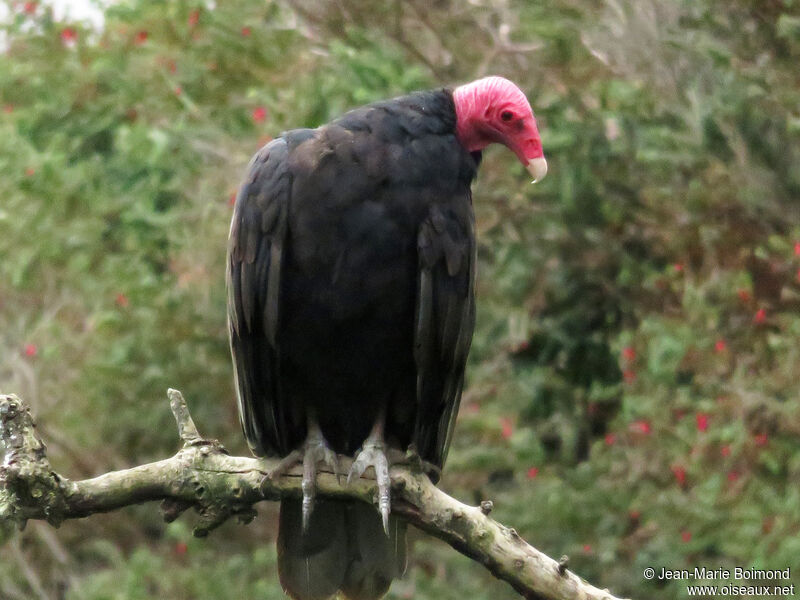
x=351, y=301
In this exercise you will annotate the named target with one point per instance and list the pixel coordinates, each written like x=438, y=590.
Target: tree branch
x=219, y=486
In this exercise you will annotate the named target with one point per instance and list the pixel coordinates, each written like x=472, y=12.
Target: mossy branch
x=204, y=476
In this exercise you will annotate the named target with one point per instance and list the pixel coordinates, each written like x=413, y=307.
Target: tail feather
x=345, y=548
x=374, y=558
x=311, y=566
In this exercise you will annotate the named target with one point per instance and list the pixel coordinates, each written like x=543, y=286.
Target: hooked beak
x=538, y=168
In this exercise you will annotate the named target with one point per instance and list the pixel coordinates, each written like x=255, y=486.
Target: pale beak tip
x=538, y=168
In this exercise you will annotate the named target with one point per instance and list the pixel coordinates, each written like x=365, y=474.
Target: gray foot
x=372, y=454
x=313, y=451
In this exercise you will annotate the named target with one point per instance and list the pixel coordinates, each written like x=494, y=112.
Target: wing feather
x=445, y=318
x=255, y=252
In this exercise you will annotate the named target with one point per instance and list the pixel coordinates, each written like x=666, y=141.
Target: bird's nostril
x=532, y=146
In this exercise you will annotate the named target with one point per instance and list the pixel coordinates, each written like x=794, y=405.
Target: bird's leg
x=373, y=454
x=314, y=450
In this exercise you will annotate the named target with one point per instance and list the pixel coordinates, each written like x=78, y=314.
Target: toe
x=287, y=462
x=309, y=486
x=331, y=461
x=373, y=455
x=356, y=469
x=384, y=489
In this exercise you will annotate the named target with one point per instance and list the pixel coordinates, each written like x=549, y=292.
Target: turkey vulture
x=351, y=276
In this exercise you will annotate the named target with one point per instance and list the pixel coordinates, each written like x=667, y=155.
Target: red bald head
x=493, y=109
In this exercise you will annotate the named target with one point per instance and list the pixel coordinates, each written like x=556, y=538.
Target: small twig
x=202, y=475
x=187, y=430
x=563, y=563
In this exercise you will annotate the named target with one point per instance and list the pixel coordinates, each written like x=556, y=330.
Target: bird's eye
x=506, y=115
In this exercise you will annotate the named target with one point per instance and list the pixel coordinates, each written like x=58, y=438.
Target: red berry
x=141, y=38
x=680, y=474
x=533, y=472
x=720, y=346
x=761, y=316
x=686, y=536
x=610, y=439
x=68, y=35
x=246, y=32
x=181, y=548
x=31, y=350
x=259, y=114
x=760, y=439
x=702, y=421
x=641, y=426
x=507, y=427
x=628, y=353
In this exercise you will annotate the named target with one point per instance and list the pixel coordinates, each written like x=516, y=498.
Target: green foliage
x=632, y=396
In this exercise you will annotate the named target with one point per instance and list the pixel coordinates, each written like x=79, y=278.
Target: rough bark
x=202, y=475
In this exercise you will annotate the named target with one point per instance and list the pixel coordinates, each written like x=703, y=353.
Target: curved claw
x=372, y=455
x=384, y=493
x=314, y=450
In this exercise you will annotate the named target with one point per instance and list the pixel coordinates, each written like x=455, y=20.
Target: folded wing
x=256, y=249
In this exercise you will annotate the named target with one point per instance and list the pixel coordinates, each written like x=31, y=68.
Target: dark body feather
x=350, y=277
